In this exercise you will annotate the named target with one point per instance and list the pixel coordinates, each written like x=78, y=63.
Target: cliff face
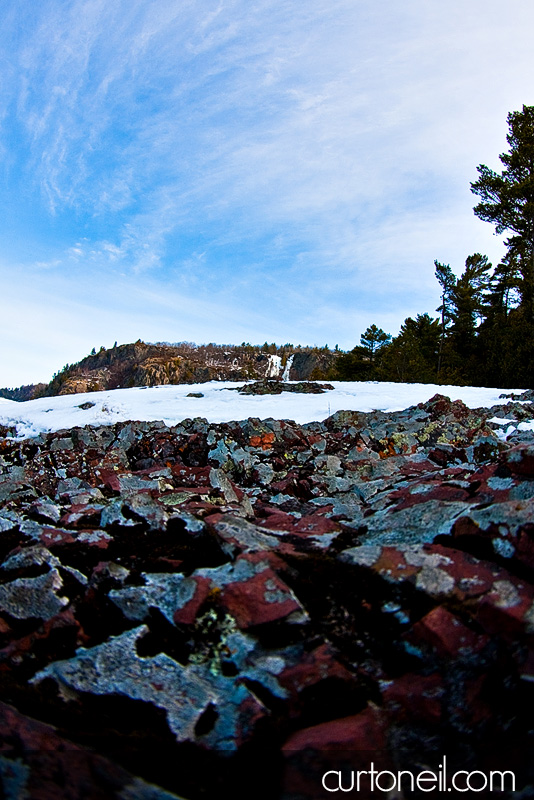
x=141, y=364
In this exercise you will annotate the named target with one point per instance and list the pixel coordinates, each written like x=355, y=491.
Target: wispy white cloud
x=54, y=320
x=318, y=155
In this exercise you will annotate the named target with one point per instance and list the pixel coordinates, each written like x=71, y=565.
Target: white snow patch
x=504, y=434
x=171, y=404
x=512, y=426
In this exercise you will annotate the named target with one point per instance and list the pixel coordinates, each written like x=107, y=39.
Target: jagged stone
x=184, y=692
x=25, y=598
x=506, y=527
x=447, y=635
x=418, y=523
x=294, y=589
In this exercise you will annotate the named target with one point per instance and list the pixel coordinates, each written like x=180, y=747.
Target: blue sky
x=242, y=170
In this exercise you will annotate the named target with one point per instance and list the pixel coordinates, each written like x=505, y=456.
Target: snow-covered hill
x=217, y=404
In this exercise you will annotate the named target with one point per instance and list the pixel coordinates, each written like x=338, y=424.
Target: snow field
x=172, y=405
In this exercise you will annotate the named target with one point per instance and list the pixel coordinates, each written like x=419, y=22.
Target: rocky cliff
x=141, y=364
x=241, y=607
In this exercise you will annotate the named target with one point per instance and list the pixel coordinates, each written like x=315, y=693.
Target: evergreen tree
x=412, y=356
x=373, y=339
x=503, y=294
x=361, y=363
x=447, y=281
x=355, y=365
x=469, y=294
x=507, y=200
x=463, y=306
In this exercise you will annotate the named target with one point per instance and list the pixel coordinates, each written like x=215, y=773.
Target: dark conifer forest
x=484, y=333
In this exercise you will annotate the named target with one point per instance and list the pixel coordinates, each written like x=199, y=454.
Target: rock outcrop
x=241, y=607
x=141, y=364
x=277, y=387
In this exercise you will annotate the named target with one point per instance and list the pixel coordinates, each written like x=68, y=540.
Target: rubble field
x=201, y=608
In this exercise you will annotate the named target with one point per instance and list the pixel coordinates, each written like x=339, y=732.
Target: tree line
x=484, y=334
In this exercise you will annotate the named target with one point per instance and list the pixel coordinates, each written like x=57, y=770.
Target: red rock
x=64, y=620
x=418, y=467
x=417, y=696
x=364, y=731
x=472, y=577
x=520, y=460
x=441, y=457
x=347, y=745
x=440, y=405
x=311, y=524
x=48, y=767
x=447, y=634
x=436, y=570
x=109, y=478
x=316, y=524
x=316, y=666
x=508, y=608
x=173, y=564
x=262, y=598
x=196, y=476
x=294, y=670
x=392, y=565
x=199, y=508
x=188, y=613
x=81, y=514
x=266, y=557
x=436, y=491
x=54, y=536
x=286, y=485
x=278, y=520
x=265, y=441
x=508, y=526
x=474, y=708
x=499, y=601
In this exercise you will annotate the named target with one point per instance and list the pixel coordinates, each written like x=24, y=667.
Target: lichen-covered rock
x=185, y=693
x=266, y=594
x=27, y=598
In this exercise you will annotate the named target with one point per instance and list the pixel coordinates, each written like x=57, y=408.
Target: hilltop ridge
x=145, y=364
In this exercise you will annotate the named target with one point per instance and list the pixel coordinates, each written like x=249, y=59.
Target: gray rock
x=265, y=473
x=26, y=598
x=417, y=524
x=37, y=555
x=184, y=692
x=219, y=480
x=62, y=444
x=166, y=592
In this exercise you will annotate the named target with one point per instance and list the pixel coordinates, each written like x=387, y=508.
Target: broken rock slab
x=262, y=592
